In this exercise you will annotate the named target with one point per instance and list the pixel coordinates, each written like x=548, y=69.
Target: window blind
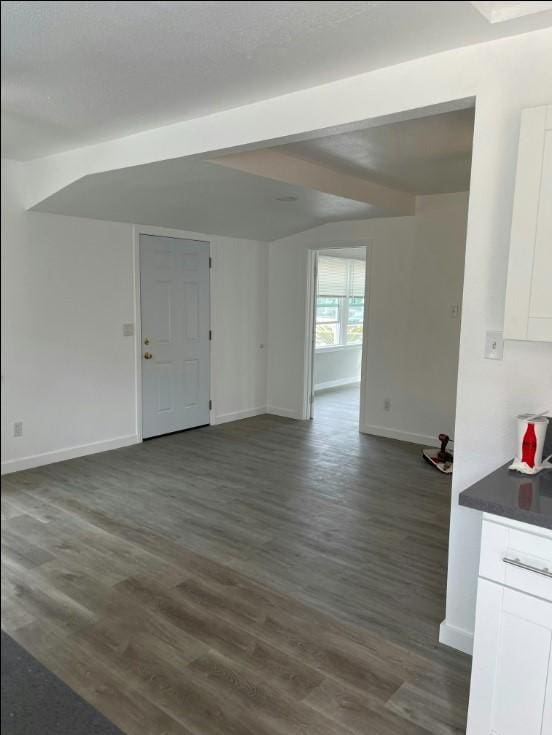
x=333, y=276
x=340, y=276
x=358, y=275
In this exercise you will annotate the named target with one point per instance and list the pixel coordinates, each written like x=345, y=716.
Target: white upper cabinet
x=529, y=291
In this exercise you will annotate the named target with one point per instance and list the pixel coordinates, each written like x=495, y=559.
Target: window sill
x=337, y=348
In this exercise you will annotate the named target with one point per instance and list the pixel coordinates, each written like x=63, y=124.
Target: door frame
x=308, y=373
x=138, y=230
x=308, y=363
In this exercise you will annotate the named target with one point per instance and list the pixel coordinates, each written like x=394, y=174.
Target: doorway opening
x=338, y=319
x=415, y=255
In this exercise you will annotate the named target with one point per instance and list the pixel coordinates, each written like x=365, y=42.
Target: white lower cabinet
x=511, y=684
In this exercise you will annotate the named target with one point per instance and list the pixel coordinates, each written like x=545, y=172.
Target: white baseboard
x=336, y=383
x=458, y=638
x=225, y=418
x=38, y=460
x=404, y=436
x=287, y=413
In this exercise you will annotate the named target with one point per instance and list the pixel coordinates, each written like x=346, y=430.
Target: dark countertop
x=510, y=494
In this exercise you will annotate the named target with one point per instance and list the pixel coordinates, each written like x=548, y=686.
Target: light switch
x=128, y=330
x=494, y=345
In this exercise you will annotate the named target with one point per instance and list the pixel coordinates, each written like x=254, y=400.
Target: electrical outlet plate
x=494, y=345
x=18, y=428
x=128, y=330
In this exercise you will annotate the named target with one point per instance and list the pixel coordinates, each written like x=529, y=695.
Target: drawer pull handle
x=545, y=571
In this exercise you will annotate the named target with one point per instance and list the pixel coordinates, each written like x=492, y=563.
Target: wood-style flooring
x=265, y=577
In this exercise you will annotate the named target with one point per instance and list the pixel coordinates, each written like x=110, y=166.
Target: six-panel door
x=174, y=294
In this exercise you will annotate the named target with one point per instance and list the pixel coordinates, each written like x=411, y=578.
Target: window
x=339, y=302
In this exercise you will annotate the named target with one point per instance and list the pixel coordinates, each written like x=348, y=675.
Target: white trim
x=287, y=413
x=365, y=334
x=309, y=346
x=224, y=418
x=138, y=230
x=458, y=638
x=59, y=455
x=500, y=12
x=214, y=330
x=404, y=436
x=336, y=383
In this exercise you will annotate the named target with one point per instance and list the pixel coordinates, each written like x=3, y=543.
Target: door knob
x=147, y=355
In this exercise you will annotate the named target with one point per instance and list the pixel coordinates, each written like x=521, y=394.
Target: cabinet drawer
x=517, y=558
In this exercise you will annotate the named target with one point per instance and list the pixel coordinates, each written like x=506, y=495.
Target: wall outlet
x=494, y=345
x=128, y=330
x=387, y=404
x=18, y=428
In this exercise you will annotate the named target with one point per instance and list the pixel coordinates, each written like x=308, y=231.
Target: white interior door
x=174, y=293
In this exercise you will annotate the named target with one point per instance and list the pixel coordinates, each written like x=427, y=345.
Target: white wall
x=239, y=321
x=340, y=366
x=415, y=269
x=68, y=373
x=412, y=339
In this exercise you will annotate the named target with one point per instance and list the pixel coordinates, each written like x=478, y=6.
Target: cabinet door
x=510, y=688
x=547, y=712
x=528, y=312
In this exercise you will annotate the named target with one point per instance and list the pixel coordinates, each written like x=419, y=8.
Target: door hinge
x=210, y=405
x=210, y=335
x=210, y=262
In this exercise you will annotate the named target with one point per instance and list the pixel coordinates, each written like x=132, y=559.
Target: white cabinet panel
x=534, y=550
x=547, y=712
x=528, y=313
x=540, y=305
x=510, y=689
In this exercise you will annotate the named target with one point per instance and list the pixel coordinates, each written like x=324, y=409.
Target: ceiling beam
x=278, y=166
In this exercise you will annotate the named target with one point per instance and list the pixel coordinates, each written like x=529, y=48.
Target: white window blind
x=340, y=276
x=358, y=276
x=333, y=276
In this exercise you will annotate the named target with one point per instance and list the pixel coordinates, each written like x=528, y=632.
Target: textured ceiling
x=79, y=72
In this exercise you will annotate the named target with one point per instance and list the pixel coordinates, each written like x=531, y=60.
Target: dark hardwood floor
x=265, y=577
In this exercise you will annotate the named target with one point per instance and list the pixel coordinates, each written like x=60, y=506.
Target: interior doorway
x=338, y=327
x=175, y=350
